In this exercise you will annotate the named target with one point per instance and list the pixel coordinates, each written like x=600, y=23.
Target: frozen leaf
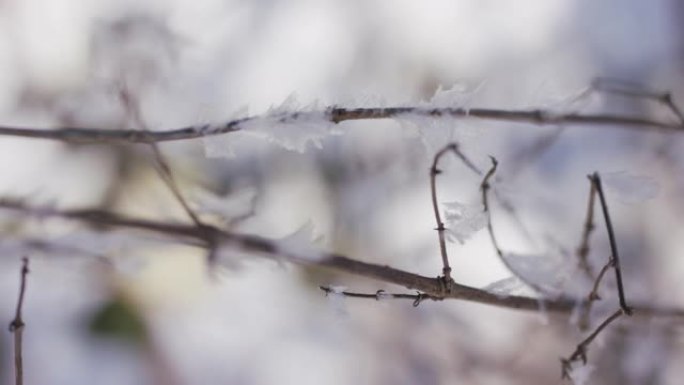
x=302, y=244
x=543, y=271
x=463, y=221
x=629, y=188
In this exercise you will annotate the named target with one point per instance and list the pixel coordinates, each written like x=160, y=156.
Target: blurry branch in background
x=338, y=115
x=17, y=325
x=434, y=171
x=635, y=90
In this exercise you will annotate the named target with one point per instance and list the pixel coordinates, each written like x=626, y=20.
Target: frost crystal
x=288, y=126
x=630, y=188
x=463, y=221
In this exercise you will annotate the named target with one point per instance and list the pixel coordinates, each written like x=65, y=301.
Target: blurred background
x=120, y=307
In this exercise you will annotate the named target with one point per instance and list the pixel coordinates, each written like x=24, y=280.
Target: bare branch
x=269, y=247
x=337, y=115
x=614, y=259
x=17, y=325
x=580, y=352
x=434, y=171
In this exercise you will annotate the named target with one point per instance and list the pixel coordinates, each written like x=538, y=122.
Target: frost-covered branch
x=336, y=115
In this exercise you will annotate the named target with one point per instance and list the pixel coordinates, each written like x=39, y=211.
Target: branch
x=337, y=115
x=434, y=171
x=580, y=352
x=17, y=326
x=614, y=259
x=202, y=236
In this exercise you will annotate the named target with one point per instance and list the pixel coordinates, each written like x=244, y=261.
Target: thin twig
x=179, y=232
x=132, y=108
x=335, y=115
x=382, y=294
x=634, y=90
x=17, y=325
x=614, y=259
x=583, y=249
x=485, y=186
x=580, y=352
x=434, y=171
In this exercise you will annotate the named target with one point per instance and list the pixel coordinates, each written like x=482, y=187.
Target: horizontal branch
x=208, y=236
x=334, y=115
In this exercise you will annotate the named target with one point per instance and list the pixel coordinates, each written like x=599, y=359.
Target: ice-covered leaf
x=463, y=220
x=629, y=188
x=546, y=272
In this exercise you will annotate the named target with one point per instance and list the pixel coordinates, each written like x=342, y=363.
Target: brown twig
x=614, y=259
x=434, y=171
x=335, y=115
x=17, y=325
x=580, y=352
x=269, y=247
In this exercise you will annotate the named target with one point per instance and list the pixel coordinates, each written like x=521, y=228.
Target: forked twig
x=634, y=90
x=580, y=352
x=17, y=326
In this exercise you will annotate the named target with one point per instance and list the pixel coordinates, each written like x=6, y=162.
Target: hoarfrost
x=382, y=295
x=629, y=188
x=288, y=126
x=463, y=220
x=434, y=131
